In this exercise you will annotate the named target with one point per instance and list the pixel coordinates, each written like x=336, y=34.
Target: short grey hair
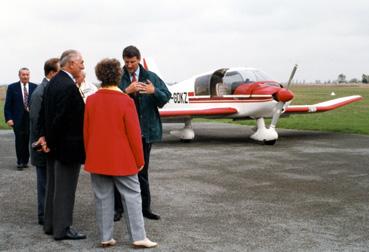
x=67, y=56
x=22, y=69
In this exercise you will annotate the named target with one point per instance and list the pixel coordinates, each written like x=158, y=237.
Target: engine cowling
x=283, y=95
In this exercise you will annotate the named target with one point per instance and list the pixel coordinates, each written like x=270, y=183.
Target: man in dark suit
x=63, y=131
x=38, y=158
x=16, y=111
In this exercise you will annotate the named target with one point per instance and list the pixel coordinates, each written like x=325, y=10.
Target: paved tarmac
x=221, y=192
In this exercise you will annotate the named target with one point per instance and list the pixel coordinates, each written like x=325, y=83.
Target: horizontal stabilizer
x=198, y=112
x=323, y=106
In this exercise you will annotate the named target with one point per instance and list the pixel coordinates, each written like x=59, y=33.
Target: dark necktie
x=25, y=98
x=134, y=77
x=135, y=96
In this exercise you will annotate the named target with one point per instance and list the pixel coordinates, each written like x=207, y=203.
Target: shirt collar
x=71, y=76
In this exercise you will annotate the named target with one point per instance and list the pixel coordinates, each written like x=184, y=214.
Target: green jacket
x=148, y=112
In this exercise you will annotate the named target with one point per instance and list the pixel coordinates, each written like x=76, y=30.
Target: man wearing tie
x=16, y=111
x=149, y=93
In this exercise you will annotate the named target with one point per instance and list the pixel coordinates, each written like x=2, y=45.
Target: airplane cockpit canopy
x=224, y=81
x=233, y=78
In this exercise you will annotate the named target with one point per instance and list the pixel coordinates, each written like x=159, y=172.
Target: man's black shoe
x=150, y=215
x=117, y=216
x=20, y=167
x=25, y=165
x=71, y=234
x=48, y=232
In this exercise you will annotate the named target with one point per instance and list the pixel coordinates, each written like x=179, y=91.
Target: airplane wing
x=198, y=112
x=323, y=106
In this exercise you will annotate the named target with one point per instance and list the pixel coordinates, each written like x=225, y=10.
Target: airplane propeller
x=284, y=95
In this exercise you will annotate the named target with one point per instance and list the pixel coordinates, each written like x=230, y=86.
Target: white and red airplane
x=237, y=93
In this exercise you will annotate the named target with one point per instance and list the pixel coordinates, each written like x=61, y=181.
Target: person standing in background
x=16, y=112
x=85, y=88
x=38, y=158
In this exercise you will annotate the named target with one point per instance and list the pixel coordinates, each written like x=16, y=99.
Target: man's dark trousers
x=60, y=196
x=21, y=132
x=143, y=177
x=41, y=188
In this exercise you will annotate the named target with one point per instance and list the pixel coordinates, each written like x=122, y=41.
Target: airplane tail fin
x=150, y=64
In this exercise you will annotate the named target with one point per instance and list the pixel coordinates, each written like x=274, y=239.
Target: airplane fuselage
x=205, y=93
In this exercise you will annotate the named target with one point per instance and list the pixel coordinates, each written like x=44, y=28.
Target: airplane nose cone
x=284, y=95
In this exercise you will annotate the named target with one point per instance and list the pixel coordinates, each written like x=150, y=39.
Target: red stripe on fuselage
x=203, y=112
x=229, y=100
x=248, y=101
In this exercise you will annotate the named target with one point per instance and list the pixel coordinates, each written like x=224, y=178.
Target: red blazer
x=112, y=134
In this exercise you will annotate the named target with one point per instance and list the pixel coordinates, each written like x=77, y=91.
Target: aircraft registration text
x=180, y=97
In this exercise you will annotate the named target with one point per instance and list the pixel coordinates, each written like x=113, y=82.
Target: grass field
x=353, y=118
x=2, y=98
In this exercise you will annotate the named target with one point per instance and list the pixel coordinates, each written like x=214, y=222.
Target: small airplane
x=237, y=93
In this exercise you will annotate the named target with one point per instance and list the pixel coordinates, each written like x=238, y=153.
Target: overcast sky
x=325, y=37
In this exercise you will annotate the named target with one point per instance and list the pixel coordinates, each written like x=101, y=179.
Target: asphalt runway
x=221, y=192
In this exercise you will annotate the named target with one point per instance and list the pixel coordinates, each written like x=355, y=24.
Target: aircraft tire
x=270, y=142
x=186, y=140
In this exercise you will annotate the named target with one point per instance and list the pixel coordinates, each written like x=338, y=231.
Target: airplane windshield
x=261, y=76
x=254, y=75
x=233, y=79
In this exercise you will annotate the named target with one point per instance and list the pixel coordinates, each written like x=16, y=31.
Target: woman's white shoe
x=109, y=243
x=146, y=243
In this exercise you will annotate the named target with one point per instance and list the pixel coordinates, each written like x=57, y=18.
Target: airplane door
x=217, y=87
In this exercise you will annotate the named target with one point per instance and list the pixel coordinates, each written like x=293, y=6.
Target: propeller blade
x=280, y=105
x=277, y=114
x=291, y=76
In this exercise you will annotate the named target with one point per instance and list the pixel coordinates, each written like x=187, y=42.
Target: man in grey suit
x=38, y=158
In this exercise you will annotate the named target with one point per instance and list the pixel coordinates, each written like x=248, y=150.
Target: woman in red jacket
x=114, y=155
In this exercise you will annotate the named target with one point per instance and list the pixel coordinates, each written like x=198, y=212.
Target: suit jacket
x=14, y=107
x=63, y=120
x=37, y=158
x=112, y=134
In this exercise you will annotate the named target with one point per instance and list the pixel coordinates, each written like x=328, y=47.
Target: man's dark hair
x=131, y=51
x=109, y=72
x=51, y=65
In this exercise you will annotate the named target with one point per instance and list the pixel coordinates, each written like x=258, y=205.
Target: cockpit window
x=261, y=76
x=248, y=76
x=202, y=85
x=231, y=81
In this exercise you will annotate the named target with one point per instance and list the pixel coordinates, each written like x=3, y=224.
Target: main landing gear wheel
x=186, y=140
x=270, y=142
